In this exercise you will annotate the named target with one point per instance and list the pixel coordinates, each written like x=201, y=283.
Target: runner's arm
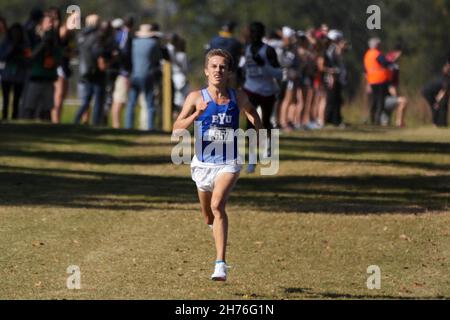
x=192, y=108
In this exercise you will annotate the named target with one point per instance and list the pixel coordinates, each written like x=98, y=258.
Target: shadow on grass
x=295, y=193
x=316, y=194
x=352, y=146
x=75, y=134
x=402, y=164
x=311, y=294
x=87, y=157
x=17, y=137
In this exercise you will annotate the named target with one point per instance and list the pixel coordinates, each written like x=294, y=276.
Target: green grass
x=111, y=202
x=69, y=112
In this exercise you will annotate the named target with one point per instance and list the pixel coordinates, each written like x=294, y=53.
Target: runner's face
x=217, y=70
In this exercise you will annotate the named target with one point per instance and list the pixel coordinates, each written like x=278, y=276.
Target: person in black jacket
x=124, y=39
x=336, y=77
x=437, y=93
x=45, y=58
x=95, y=55
x=16, y=54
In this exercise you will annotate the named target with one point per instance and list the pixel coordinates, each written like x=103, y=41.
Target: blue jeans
x=86, y=90
x=138, y=85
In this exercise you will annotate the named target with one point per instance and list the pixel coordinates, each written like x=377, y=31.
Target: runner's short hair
x=221, y=53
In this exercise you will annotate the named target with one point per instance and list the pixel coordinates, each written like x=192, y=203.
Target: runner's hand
x=200, y=107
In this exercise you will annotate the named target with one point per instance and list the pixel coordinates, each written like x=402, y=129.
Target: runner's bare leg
x=222, y=188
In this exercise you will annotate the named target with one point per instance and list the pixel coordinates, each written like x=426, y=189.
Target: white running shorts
x=205, y=174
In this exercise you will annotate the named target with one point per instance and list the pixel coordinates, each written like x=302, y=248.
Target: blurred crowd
x=306, y=92
x=117, y=64
x=309, y=93
x=296, y=78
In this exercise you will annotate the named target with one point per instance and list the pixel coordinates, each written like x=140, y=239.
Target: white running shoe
x=220, y=272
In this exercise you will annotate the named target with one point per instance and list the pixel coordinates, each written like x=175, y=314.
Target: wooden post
x=167, y=97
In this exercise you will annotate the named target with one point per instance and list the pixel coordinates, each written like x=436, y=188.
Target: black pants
x=17, y=93
x=334, y=103
x=267, y=104
x=439, y=115
x=379, y=94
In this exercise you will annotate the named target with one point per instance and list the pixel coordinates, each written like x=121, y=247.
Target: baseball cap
x=117, y=23
x=287, y=32
x=335, y=35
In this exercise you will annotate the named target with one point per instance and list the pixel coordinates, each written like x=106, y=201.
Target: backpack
x=88, y=61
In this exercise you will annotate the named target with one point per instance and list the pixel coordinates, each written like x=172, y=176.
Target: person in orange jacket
x=377, y=75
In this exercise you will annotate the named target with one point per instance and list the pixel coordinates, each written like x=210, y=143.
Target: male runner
x=215, y=111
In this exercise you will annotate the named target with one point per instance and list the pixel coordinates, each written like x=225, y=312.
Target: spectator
x=226, y=41
x=157, y=35
x=35, y=17
x=308, y=69
x=394, y=101
x=3, y=29
x=336, y=77
x=377, y=75
x=261, y=70
x=320, y=43
x=16, y=54
x=146, y=55
x=178, y=57
x=64, y=37
x=3, y=33
x=276, y=41
x=45, y=58
x=123, y=41
x=117, y=24
x=107, y=51
x=91, y=69
x=437, y=93
x=291, y=104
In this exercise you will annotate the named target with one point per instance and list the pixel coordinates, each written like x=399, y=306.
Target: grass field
x=112, y=203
